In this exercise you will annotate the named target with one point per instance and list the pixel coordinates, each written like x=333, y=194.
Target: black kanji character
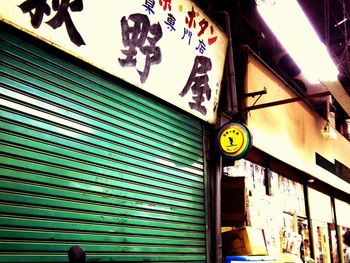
x=135, y=37
x=40, y=7
x=198, y=83
x=63, y=16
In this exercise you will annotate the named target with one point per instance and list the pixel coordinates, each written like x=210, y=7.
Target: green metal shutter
x=86, y=162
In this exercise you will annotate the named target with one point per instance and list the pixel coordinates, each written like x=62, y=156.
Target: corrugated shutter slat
x=86, y=162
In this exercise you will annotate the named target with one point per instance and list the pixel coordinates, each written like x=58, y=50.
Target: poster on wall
x=168, y=48
x=321, y=242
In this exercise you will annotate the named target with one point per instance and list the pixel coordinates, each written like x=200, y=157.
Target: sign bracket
x=280, y=102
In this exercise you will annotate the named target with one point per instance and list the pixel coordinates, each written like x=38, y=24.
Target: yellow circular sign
x=234, y=140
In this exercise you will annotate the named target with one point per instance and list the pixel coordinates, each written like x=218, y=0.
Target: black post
x=309, y=221
x=337, y=234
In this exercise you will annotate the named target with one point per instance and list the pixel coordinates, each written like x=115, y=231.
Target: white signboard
x=169, y=48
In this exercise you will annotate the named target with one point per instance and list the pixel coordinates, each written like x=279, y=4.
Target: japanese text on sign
x=168, y=48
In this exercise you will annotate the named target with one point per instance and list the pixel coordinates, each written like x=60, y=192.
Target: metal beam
x=275, y=103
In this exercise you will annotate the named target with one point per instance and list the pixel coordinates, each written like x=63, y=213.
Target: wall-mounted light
x=290, y=25
x=328, y=131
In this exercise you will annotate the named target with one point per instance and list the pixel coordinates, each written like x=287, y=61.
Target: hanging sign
x=168, y=48
x=234, y=140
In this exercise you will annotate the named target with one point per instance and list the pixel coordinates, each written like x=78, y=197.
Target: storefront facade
x=296, y=175
x=108, y=118
x=96, y=150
